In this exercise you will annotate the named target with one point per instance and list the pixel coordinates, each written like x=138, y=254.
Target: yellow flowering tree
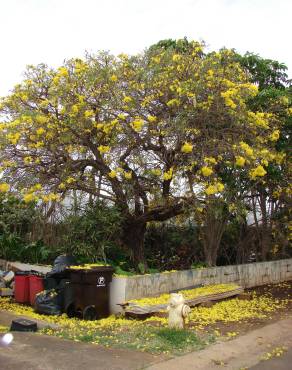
x=150, y=133
x=269, y=191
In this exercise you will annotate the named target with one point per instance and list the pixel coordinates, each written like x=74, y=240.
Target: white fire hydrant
x=177, y=311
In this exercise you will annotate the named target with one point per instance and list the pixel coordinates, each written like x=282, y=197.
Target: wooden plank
x=136, y=310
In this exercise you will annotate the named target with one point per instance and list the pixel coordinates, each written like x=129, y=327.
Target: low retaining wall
x=247, y=275
x=125, y=288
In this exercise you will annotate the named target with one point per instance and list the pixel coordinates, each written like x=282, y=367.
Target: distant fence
x=131, y=287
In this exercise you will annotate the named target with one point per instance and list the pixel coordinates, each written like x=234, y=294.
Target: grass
x=144, y=338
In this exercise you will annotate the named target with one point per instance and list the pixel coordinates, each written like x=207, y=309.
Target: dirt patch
x=281, y=291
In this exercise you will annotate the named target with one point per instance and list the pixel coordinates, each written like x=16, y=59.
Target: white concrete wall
x=117, y=293
x=248, y=275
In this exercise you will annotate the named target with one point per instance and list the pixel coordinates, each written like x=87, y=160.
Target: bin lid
x=22, y=273
x=92, y=269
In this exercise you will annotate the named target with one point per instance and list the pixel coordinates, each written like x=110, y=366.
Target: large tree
x=152, y=133
x=269, y=200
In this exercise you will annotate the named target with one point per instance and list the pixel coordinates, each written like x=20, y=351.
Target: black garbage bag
x=48, y=302
x=60, y=265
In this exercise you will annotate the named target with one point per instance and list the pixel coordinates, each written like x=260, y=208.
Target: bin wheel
x=89, y=313
x=70, y=310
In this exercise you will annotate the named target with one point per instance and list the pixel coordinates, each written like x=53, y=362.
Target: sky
x=49, y=31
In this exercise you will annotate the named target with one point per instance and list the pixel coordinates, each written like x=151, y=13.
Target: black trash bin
x=90, y=289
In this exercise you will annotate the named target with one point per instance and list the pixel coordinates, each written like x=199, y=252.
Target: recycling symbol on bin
x=101, y=281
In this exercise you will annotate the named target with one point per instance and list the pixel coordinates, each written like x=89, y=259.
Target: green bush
x=93, y=235
x=169, y=247
x=16, y=220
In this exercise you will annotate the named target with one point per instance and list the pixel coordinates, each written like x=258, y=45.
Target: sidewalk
x=243, y=352
x=32, y=351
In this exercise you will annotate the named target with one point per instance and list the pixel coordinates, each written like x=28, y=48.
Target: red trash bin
x=36, y=285
x=21, y=287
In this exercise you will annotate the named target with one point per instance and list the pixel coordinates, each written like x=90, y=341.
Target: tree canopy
x=153, y=133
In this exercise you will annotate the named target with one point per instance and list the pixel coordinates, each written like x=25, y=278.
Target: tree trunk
x=265, y=243
x=212, y=235
x=133, y=240
x=265, y=240
x=210, y=252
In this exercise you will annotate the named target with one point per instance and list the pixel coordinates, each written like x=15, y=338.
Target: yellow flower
x=62, y=186
x=206, y=171
x=13, y=138
x=187, y=148
x=74, y=109
x=259, y=171
x=128, y=175
x=40, y=131
x=151, y=119
x=114, y=78
x=137, y=125
x=103, y=148
x=248, y=150
x=173, y=102
x=274, y=135
x=112, y=174
x=23, y=96
x=220, y=187
x=27, y=160
x=41, y=119
x=38, y=144
x=56, y=80
x=211, y=160
x=63, y=72
x=29, y=197
x=227, y=98
x=99, y=126
x=156, y=59
x=4, y=188
x=51, y=197
x=121, y=116
x=127, y=99
x=176, y=57
x=240, y=161
x=188, y=294
x=70, y=180
x=211, y=189
x=88, y=114
x=7, y=164
x=168, y=175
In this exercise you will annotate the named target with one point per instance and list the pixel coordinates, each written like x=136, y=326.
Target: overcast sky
x=49, y=31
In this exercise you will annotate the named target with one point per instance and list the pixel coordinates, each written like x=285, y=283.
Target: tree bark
x=133, y=240
x=212, y=235
x=210, y=251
